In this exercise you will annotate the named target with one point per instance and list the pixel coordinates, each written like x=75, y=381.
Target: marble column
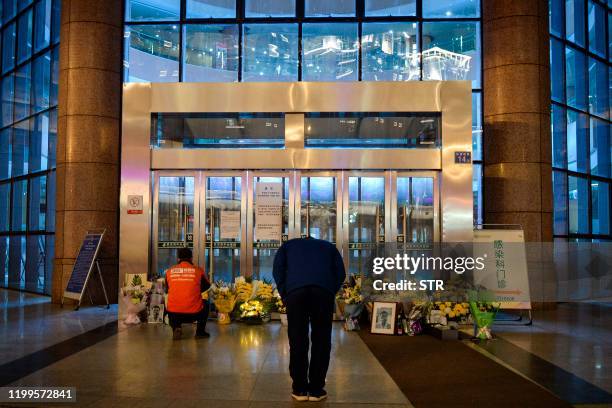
x=517, y=135
x=89, y=123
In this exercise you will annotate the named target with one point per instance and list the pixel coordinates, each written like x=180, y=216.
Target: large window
x=322, y=40
x=28, y=129
x=580, y=93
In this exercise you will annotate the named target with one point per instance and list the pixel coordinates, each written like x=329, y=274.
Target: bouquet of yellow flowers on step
x=244, y=289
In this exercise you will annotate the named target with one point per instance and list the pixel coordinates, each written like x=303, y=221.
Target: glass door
x=270, y=219
x=365, y=219
x=416, y=208
x=319, y=213
x=175, y=213
x=225, y=225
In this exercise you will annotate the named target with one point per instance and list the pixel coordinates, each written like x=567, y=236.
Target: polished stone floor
x=29, y=323
x=239, y=366
x=576, y=337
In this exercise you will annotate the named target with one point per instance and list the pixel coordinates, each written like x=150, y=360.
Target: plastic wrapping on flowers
x=133, y=297
x=483, y=310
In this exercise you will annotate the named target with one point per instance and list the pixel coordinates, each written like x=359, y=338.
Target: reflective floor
x=576, y=337
x=240, y=365
x=30, y=323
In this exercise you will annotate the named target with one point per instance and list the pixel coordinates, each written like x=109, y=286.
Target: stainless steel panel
x=304, y=159
x=135, y=229
x=452, y=99
x=456, y=179
x=294, y=131
x=298, y=97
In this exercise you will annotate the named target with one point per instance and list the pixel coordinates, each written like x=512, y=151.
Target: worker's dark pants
x=314, y=306
x=176, y=319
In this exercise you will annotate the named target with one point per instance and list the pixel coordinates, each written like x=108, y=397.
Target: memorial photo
x=383, y=318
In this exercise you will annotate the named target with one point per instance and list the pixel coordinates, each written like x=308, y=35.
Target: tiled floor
x=576, y=337
x=238, y=366
x=29, y=323
x=242, y=365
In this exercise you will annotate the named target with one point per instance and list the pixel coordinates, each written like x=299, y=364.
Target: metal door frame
x=155, y=213
x=205, y=174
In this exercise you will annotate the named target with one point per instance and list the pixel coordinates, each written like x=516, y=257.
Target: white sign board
x=135, y=205
x=268, y=211
x=505, y=271
x=230, y=224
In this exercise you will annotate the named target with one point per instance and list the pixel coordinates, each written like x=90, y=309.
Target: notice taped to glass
x=268, y=211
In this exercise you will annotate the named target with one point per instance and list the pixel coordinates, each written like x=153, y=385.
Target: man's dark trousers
x=314, y=306
x=201, y=317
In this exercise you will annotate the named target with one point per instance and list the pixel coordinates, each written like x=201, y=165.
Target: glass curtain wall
x=309, y=40
x=28, y=128
x=580, y=57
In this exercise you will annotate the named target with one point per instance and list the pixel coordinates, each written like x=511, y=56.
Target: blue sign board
x=83, y=264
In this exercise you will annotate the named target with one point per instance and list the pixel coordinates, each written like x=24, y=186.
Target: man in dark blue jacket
x=308, y=273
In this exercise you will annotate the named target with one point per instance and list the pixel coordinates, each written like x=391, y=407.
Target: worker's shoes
x=201, y=334
x=177, y=333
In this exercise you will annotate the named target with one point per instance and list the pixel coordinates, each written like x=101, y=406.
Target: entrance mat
x=434, y=374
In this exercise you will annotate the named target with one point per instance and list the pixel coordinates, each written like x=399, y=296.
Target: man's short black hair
x=185, y=254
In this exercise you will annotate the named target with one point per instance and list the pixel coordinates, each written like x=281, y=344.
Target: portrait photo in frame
x=383, y=318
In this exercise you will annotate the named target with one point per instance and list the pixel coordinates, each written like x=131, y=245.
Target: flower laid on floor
x=251, y=311
x=351, y=303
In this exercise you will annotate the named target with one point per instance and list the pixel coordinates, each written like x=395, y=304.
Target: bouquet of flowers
x=264, y=291
x=224, y=296
x=134, y=299
x=280, y=307
x=350, y=302
x=278, y=303
x=251, y=311
x=451, y=311
x=414, y=323
x=484, y=311
x=244, y=289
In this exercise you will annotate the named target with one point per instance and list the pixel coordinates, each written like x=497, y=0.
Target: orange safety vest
x=184, y=288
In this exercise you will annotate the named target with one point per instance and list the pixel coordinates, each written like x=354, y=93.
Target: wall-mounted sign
x=463, y=157
x=268, y=211
x=134, y=204
x=230, y=224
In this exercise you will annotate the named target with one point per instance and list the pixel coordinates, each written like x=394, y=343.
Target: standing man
x=185, y=283
x=308, y=273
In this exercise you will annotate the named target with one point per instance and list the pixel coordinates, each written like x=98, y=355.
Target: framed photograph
x=383, y=318
x=156, y=314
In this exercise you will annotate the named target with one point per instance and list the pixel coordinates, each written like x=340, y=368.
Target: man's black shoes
x=299, y=396
x=317, y=396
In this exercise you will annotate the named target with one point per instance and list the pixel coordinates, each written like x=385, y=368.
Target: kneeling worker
x=185, y=283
